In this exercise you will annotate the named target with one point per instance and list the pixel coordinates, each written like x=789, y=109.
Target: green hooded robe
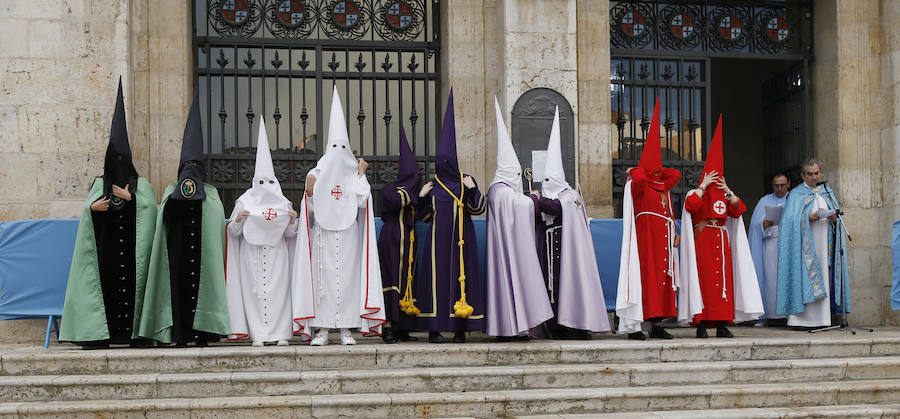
x=212, y=310
x=84, y=312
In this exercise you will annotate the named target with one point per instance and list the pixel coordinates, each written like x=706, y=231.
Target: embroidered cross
x=270, y=214
x=719, y=207
x=336, y=192
x=663, y=201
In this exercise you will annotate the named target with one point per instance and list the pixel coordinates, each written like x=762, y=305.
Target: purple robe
x=399, y=218
x=567, y=257
x=398, y=204
x=436, y=286
x=516, y=295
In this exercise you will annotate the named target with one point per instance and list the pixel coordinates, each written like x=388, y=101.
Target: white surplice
x=818, y=313
x=770, y=264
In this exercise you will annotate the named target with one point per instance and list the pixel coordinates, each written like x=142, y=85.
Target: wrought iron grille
x=681, y=85
x=711, y=28
x=786, y=122
x=280, y=59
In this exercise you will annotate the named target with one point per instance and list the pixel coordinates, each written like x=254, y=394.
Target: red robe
x=713, y=258
x=657, y=293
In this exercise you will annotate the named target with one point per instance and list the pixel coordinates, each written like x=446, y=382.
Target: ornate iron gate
x=280, y=59
x=663, y=48
x=682, y=88
x=787, y=122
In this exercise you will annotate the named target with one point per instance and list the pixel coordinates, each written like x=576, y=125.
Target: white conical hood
x=264, y=200
x=264, y=168
x=554, y=180
x=509, y=170
x=334, y=197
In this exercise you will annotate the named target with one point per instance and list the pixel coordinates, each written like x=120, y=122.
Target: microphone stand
x=845, y=321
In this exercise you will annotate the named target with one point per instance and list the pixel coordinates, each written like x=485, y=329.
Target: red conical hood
x=714, y=159
x=651, y=156
x=714, y=162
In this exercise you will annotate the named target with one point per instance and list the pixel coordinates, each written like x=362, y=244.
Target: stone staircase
x=762, y=373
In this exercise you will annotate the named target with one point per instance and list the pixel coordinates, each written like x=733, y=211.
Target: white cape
x=303, y=293
x=748, y=303
x=629, y=300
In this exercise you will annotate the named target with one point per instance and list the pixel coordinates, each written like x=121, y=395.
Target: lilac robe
x=517, y=298
x=576, y=294
x=436, y=286
x=399, y=218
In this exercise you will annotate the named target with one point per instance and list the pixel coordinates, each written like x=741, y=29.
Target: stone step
x=441, y=379
x=479, y=403
x=608, y=350
x=887, y=410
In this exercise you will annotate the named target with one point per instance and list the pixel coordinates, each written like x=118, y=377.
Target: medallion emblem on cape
x=719, y=207
x=188, y=188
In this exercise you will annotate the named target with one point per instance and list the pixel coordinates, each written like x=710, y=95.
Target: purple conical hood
x=408, y=175
x=446, y=164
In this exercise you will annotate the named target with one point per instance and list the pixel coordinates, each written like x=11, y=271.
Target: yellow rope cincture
x=407, y=303
x=460, y=307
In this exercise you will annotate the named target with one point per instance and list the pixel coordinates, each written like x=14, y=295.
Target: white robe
x=770, y=264
x=345, y=288
x=258, y=285
x=818, y=313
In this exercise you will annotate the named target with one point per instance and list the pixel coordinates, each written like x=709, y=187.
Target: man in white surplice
x=337, y=277
x=258, y=258
x=764, y=244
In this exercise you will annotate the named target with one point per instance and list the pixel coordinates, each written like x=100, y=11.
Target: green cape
x=84, y=313
x=212, y=310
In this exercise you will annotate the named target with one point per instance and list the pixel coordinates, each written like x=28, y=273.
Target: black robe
x=182, y=220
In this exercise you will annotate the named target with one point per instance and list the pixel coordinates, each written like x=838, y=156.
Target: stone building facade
x=61, y=59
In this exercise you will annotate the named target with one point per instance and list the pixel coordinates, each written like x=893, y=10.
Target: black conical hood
x=118, y=168
x=192, y=168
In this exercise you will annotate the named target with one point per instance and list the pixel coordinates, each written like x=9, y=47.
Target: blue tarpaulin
x=35, y=256
x=895, y=246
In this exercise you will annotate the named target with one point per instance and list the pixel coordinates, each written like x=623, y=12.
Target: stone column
x=163, y=63
x=594, y=116
x=462, y=67
x=855, y=127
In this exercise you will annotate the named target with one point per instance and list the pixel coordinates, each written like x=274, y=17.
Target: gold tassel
x=461, y=308
x=407, y=304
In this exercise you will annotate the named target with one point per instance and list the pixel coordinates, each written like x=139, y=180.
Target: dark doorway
x=737, y=94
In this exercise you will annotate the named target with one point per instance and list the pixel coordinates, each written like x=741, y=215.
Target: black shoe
x=701, y=332
x=723, y=332
x=504, y=339
x=658, y=332
x=637, y=336
x=525, y=338
x=459, y=337
x=90, y=346
x=576, y=334
x=435, y=337
x=387, y=336
x=403, y=336
x=140, y=343
x=180, y=344
x=202, y=343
